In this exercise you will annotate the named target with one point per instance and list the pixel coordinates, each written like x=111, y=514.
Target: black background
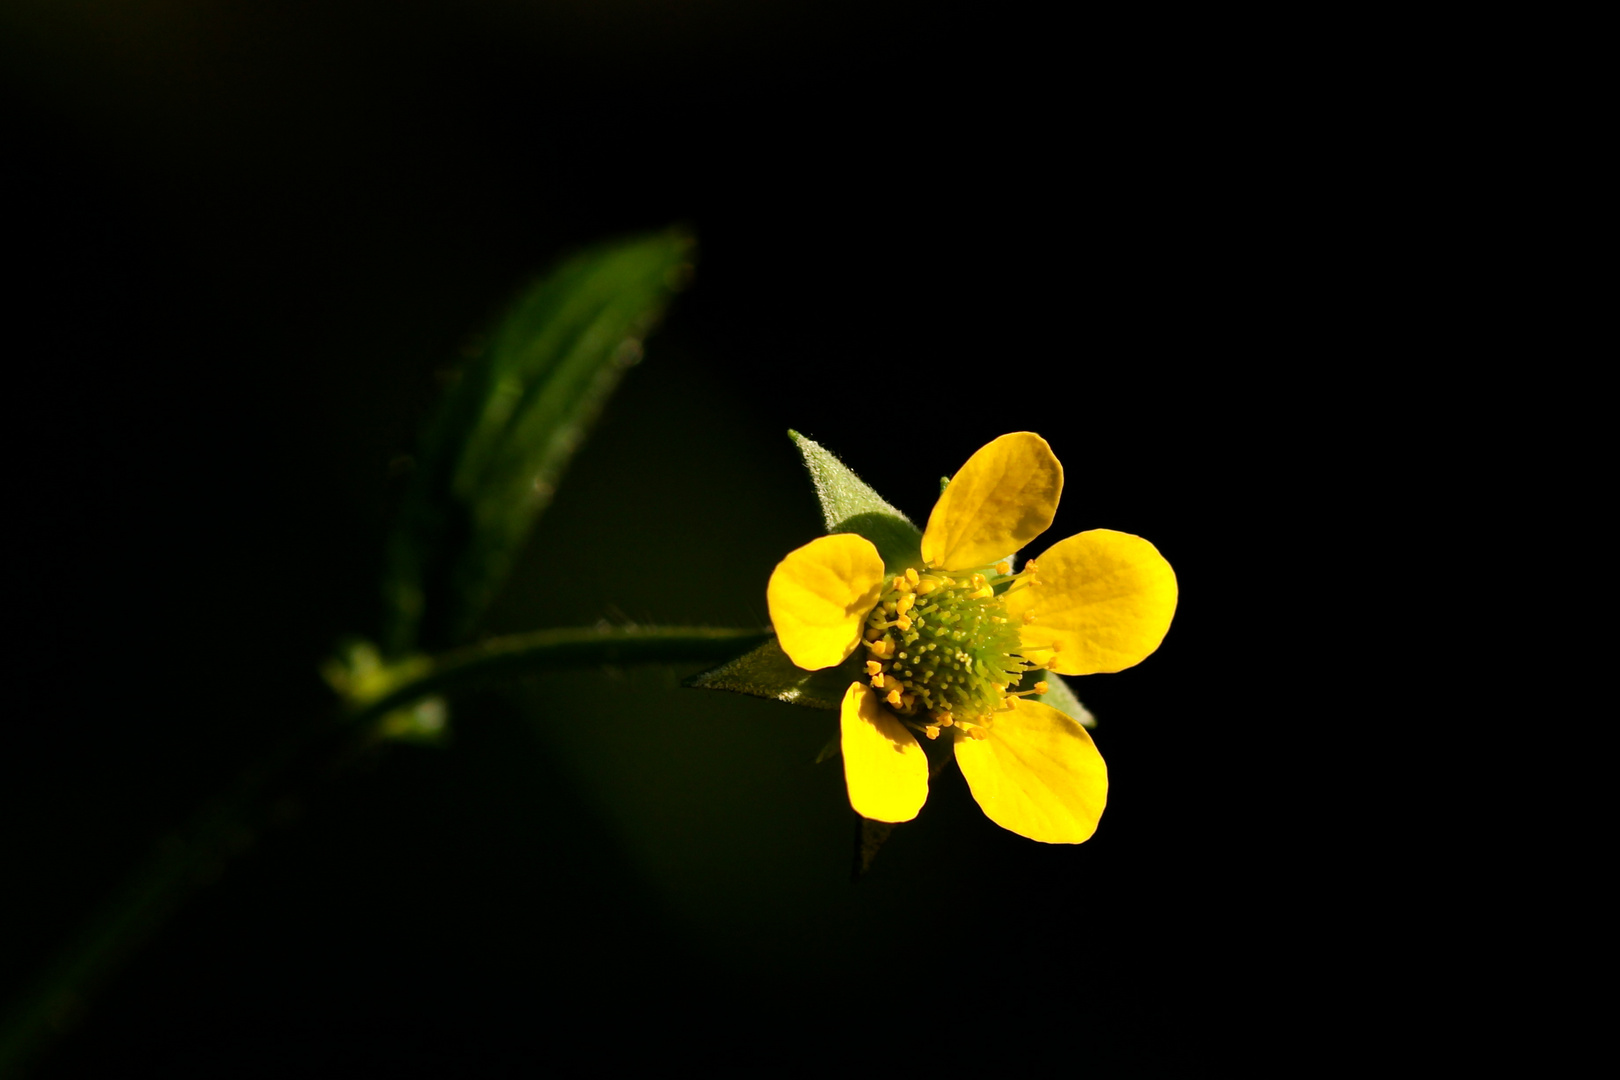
x=254, y=242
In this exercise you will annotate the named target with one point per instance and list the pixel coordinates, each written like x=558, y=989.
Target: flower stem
x=544, y=649
x=196, y=853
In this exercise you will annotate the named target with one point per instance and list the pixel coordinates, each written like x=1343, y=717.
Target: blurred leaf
x=849, y=505
x=360, y=676
x=768, y=673
x=426, y=722
x=491, y=459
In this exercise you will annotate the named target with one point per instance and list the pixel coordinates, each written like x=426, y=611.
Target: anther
x=911, y=575
x=893, y=697
x=1003, y=567
x=932, y=731
x=873, y=667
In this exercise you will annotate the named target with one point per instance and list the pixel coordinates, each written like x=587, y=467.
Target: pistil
x=943, y=650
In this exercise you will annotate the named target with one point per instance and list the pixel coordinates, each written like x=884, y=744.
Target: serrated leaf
x=491, y=459
x=849, y=505
x=768, y=673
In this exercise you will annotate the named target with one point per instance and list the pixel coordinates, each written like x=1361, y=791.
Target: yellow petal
x=1038, y=774
x=1004, y=497
x=885, y=768
x=820, y=595
x=1104, y=598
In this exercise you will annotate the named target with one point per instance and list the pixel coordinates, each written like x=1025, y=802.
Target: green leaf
x=849, y=505
x=493, y=455
x=768, y=673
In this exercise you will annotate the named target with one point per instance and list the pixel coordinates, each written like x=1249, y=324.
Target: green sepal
x=849, y=505
x=869, y=837
x=768, y=673
x=1059, y=696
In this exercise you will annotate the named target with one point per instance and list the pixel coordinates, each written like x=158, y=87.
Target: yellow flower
x=946, y=638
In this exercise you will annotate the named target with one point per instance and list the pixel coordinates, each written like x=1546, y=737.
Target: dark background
x=254, y=243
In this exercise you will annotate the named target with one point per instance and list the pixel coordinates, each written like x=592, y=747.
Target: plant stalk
x=196, y=853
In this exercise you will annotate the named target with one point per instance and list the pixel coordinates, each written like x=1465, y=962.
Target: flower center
x=943, y=648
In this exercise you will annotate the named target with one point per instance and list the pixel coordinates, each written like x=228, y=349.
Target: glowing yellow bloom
x=945, y=640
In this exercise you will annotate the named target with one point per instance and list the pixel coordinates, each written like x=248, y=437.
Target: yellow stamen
x=911, y=575
x=1003, y=567
x=932, y=731
x=894, y=697
x=873, y=667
